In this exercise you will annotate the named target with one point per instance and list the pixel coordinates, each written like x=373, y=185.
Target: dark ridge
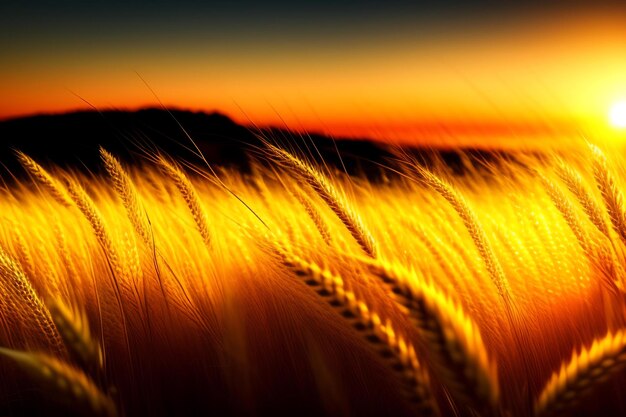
x=73, y=139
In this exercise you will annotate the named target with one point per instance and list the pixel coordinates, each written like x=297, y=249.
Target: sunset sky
x=347, y=68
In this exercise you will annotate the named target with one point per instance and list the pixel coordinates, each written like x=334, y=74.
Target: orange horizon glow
x=537, y=78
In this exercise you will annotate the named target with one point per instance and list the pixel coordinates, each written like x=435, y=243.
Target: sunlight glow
x=618, y=114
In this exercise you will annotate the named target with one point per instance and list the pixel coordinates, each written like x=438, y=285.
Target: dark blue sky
x=24, y=19
x=337, y=56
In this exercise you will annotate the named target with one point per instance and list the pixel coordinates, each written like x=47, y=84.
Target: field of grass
x=154, y=290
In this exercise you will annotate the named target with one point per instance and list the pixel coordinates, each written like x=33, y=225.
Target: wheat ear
x=128, y=193
x=330, y=195
x=562, y=203
x=24, y=256
x=459, y=355
x=574, y=183
x=74, y=329
x=380, y=335
x=584, y=372
x=118, y=284
x=599, y=256
x=314, y=215
x=457, y=201
x=190, y=196
x=86, y=205
x=64, y=382
x=611, y=194
x=48, y=181
x=20, y=293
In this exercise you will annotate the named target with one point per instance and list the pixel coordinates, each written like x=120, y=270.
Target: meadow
x=166, y=288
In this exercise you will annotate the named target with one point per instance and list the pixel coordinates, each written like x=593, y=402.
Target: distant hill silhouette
x=73, y=139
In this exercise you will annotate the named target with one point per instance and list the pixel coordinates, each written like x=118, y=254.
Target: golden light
x=618, y=114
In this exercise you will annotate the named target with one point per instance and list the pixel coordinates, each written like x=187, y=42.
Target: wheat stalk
x=459, y=355
x=379, y=334
x=48, y=181
x=611, y=194
x=74, y=329
x=23, y=253
x=475, y=230
x=112, y=299
x=128, y=193
x=65, y=382
x=574, y=183
x=66, y=257
x=562, y=203
x=20, y=294
x=314, y=215
x=329, y=194
x=600, y=257
x=89, y=210
x=86, y=205
x=190, y=196
x=583, y=373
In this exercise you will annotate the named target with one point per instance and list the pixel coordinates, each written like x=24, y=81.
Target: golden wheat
x=600, y=254
x=126, y=190
x=186, y=330
x=23, y=252
x=574, y=182
x=190, y=196
x=562, y=203
x=329, y=194
x=475, y=230
x=378, y=333
x=74, y=329
x=314, y=215
x=86, y=205
x=64, y=382
x=611, y=194
x=458, y=353
x=22, y=297
x=585, y=371
x=56, y=189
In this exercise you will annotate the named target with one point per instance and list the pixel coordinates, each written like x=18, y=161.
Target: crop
x=149, y=289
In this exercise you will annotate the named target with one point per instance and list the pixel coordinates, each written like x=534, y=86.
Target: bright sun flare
x=618, y=114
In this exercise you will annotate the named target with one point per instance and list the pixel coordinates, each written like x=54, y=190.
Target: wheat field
x=164, y=288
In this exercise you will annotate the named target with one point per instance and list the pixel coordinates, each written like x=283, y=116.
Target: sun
x=617, y=115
